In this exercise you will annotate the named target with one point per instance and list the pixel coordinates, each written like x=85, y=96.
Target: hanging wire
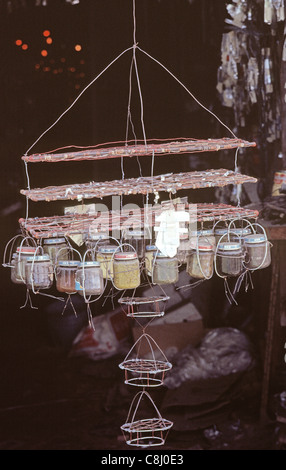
x=189, y=92
x=78, y=97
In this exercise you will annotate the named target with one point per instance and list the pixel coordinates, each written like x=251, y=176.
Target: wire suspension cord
x=188, y=91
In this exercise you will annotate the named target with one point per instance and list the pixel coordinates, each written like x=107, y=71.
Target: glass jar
x=105, y=257
x=39, y=272
x=218, y=233
x=150, y=250
x=65, y=273
x=257, y=251
x=200, y=262
x=94, y=241
x=89, y=278
x=126, y=270
x=183, y=249
x=241, y=232
x=202, y=237
x=165, y=269
x=229, y=259
x=52, y=246
x=13, y=270
x=137, y=239
x=18, y=273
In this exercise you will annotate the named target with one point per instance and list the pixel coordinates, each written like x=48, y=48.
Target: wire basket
x=145, y=432
x=144, y=307
x=143, y=372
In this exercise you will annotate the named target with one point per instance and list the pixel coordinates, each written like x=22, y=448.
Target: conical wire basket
x=143, y=372
x=147, y=432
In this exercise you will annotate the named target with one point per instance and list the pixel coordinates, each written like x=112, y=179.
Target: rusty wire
x=188, y=146
x=72, y=224
x=170, y=183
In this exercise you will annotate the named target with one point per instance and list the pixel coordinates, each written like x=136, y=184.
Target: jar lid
x=196, y=233
x=151, y=248
x=229, y=246
x=241, y=231
x=205, y=247
x=68, y=263
x=87, y=264
x=221, y=231
x=38, y=258
x=98, y=236
x=128, y=255
x=54, y=241
x=107, y=249
x=134, y=233
x=26, y=249
x=184, y=236
x=161, y=255
x=255, y=238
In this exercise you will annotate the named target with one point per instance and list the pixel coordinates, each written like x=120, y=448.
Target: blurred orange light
x=25, y=47
x=18, y=42
x=49, y=40
x=46, y=33
x=44, y=53
x=63, y=59
x=77, y=47
x=72, y=69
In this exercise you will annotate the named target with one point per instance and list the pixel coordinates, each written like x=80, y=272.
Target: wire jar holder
x=27, y=242
x=64, y=272
x=55, y=245
x=142, y=372
x=165, y=270
x=252, y=241
x=141, y=307
x=145, y=432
